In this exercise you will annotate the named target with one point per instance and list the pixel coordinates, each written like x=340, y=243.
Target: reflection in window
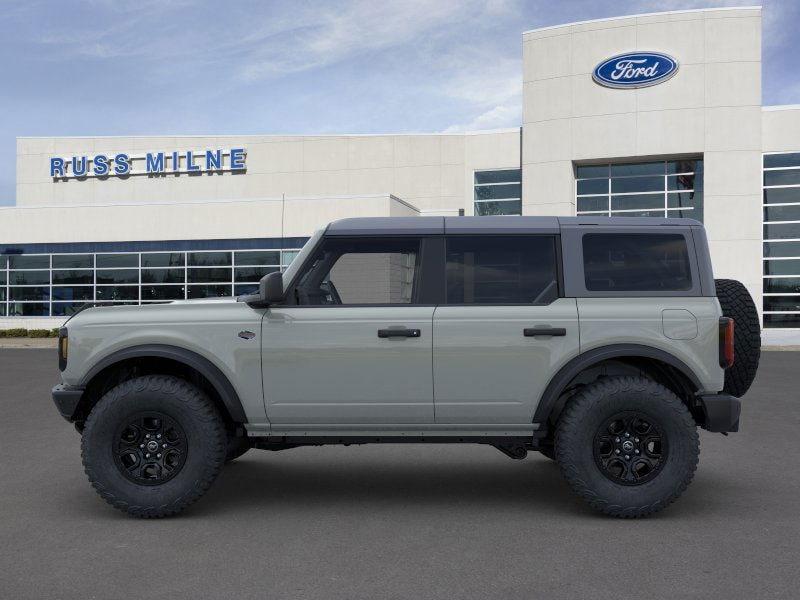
x=498, y=192
x=647, y=189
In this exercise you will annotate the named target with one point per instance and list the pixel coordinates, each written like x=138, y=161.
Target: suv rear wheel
x=627, y=445
x=153, y=445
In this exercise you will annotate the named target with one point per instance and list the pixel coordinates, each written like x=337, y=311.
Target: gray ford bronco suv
x=602, y=343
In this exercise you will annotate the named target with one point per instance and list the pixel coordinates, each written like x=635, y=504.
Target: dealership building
x=647, y=115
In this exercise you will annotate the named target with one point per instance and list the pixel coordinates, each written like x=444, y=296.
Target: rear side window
x=636, y=262
x=501, y=270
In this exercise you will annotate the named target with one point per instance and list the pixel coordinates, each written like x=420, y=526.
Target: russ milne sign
x=635, y=70
x=152, y=163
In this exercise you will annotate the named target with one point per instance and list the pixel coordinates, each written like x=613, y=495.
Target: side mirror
x=270, y=288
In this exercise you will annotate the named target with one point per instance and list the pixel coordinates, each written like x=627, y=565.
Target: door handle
x=401, y=333
x=544, y=331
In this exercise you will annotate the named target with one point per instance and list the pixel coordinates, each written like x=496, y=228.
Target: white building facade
x=149, y=219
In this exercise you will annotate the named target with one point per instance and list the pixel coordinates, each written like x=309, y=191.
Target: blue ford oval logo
x=635, y=70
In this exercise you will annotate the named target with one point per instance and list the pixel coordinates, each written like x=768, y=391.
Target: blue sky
x=156, y=67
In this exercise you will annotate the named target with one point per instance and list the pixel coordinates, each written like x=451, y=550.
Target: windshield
x=291, y=270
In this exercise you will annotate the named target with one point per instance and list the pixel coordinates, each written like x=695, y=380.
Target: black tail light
x=63, y=348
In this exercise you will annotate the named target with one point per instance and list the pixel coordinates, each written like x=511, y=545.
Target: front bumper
x=66, y=399
x=721, y=412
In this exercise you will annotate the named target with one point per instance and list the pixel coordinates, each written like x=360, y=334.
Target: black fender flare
x=191, y=359
x=583, y=361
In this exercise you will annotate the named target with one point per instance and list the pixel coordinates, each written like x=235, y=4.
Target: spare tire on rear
x=737, y=304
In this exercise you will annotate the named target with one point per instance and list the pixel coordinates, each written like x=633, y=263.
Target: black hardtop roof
x=492, y=224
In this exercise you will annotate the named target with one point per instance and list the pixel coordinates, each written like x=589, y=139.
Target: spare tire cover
x=737, y=304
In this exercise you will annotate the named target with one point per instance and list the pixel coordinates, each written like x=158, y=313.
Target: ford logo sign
x=635, y=70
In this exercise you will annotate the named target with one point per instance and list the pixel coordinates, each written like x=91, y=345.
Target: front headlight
x=63, y=348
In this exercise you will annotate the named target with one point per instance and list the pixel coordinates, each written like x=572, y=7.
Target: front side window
x=636, y=262
x=365, y=271
x=501, y=270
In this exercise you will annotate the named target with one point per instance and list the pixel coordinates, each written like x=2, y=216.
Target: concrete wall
x=432, y=172
x=712, y=107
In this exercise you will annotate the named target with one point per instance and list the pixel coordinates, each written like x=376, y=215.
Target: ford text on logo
x=635, y=70
x=151, y=163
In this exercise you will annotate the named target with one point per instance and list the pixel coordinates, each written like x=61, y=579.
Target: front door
x=503, y=331
x=353, y=344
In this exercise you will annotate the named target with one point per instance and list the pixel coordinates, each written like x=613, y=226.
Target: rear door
x=503, y=331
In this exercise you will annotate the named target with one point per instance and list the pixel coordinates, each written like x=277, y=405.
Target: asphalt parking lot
x=397, y=521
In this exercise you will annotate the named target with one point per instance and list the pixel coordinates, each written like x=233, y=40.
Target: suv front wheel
x=153, y=445
x=627, y=445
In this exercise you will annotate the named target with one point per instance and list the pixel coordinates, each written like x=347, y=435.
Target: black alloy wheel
x=150, y=448
x=630, y=448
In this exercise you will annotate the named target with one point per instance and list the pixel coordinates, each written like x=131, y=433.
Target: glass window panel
x=592, y=186
x=782, y=303
x=683, y=182
x=163, y=276
x=243, y=289
x=2, y=294
x=637, y=201
x=258, y=257
x=65, y=309
x=648, y=168
x=162, y=292
x=686, y=213
x=2, y=277
x=118, y=276
x=112, y=261
x=118, y=292
x=73, y=277
x=592, y=203
x=486, y=270
x=163, y=259
x=209, y=259
x=779, y=321
x=498, y=207
x=782, y=285
x=73, y=261
x=375, y=271
x=28, y=309
x=782, y=213
x=2, y=310
x=209, y=275
x=782, y=267
x=636, y=262
x=252, y=274
x=782, y=195
x=24, y=261
x=3, y=262
x=73, y=292
x=684, y=166
x=789, y=177
x=684, y=199
x=637, y=184
x=781, y=231
x=495, y=192
x=781, y=249
x=289, y=256
x=590, y=171
x=501, y=176
x=209, y=291
x=782, y=160
x=29, y=277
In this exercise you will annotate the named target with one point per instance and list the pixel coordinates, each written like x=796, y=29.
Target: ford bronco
x=602, y=343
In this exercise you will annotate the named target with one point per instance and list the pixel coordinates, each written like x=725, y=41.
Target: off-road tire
x=184, y=404
x=737, y=304
x=586, y=413
x=547, y=450
x=236, y=447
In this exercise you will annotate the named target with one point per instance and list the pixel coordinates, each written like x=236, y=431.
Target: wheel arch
x=166, y=359
x=658, y=364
